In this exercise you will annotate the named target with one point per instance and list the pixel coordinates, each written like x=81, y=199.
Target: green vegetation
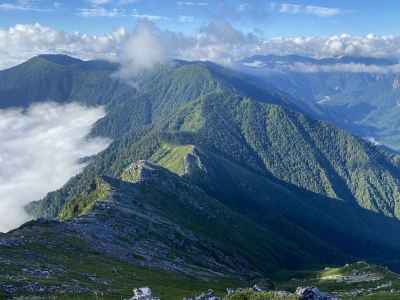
x=295, y=177
x=358, y=280
x=172, y=157
x=250, y=295
x=254, y=186
x=84, y=203
x=362, y=103
x=72, y=263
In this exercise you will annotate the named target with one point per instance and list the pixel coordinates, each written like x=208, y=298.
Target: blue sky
x=271, y=18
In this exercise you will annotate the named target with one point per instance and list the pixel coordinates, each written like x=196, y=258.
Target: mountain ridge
x=210, y=173
x=358, y=94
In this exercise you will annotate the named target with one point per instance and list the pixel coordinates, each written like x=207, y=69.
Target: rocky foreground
x=256, y=292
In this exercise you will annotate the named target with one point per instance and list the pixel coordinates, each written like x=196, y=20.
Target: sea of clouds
x=41, y=148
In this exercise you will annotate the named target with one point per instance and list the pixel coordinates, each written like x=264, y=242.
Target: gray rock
x=143, y=293
x=262, y=285
x=313, y=293
x=230, y=291
x=257, y=288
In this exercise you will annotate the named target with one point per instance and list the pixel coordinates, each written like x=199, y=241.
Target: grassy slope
x=325, y=280
x=55, y=250
x=172, y=157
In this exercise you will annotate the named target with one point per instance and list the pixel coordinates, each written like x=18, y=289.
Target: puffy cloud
x=142, y=50
x=100, y=12
x=217, y=41
x=341, y=45
x=40, y=149
x=25, y=41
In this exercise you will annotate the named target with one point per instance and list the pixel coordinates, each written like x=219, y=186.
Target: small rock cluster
x=256, y=288
x=313, y=293
x=144, y=293
x=209, y=295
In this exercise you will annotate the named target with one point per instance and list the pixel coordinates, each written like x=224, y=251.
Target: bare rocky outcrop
x=313, y=293
x=144, y=293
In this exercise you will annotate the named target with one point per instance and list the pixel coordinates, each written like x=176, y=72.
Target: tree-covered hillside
x=259, y=178
x=207, y=105
x=359, y=94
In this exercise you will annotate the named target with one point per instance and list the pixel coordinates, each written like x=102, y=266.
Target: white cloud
x=142, y=50
x=25, y=41
x=218, y=41
x=99, y=2
x=152, y=18
x=338, y=45
x=101, y=12
x=116, y=2
x=186, y=19
x=22, y=5
x=191, y=3
x=40, y=150
x=320, y=11
x=127, y=2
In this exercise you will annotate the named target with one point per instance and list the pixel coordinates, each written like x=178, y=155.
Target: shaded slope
x=310, y=154
x=170, y=223
x=317, y=224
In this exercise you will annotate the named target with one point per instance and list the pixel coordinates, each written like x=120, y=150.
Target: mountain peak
x=59, y=59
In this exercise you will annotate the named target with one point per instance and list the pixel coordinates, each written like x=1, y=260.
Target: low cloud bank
x=335, y=68
x=347, y=68
x=40, y=149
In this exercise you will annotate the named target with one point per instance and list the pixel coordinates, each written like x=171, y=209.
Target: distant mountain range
x=211, y=173
x=359, y=94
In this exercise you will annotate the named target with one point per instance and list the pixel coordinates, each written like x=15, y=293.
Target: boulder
x=230, y=291
x=143, y=293
x=313, y=293
x=262, y=285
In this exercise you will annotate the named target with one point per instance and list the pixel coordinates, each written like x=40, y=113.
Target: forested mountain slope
x=359, y=94
x=309, y=192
